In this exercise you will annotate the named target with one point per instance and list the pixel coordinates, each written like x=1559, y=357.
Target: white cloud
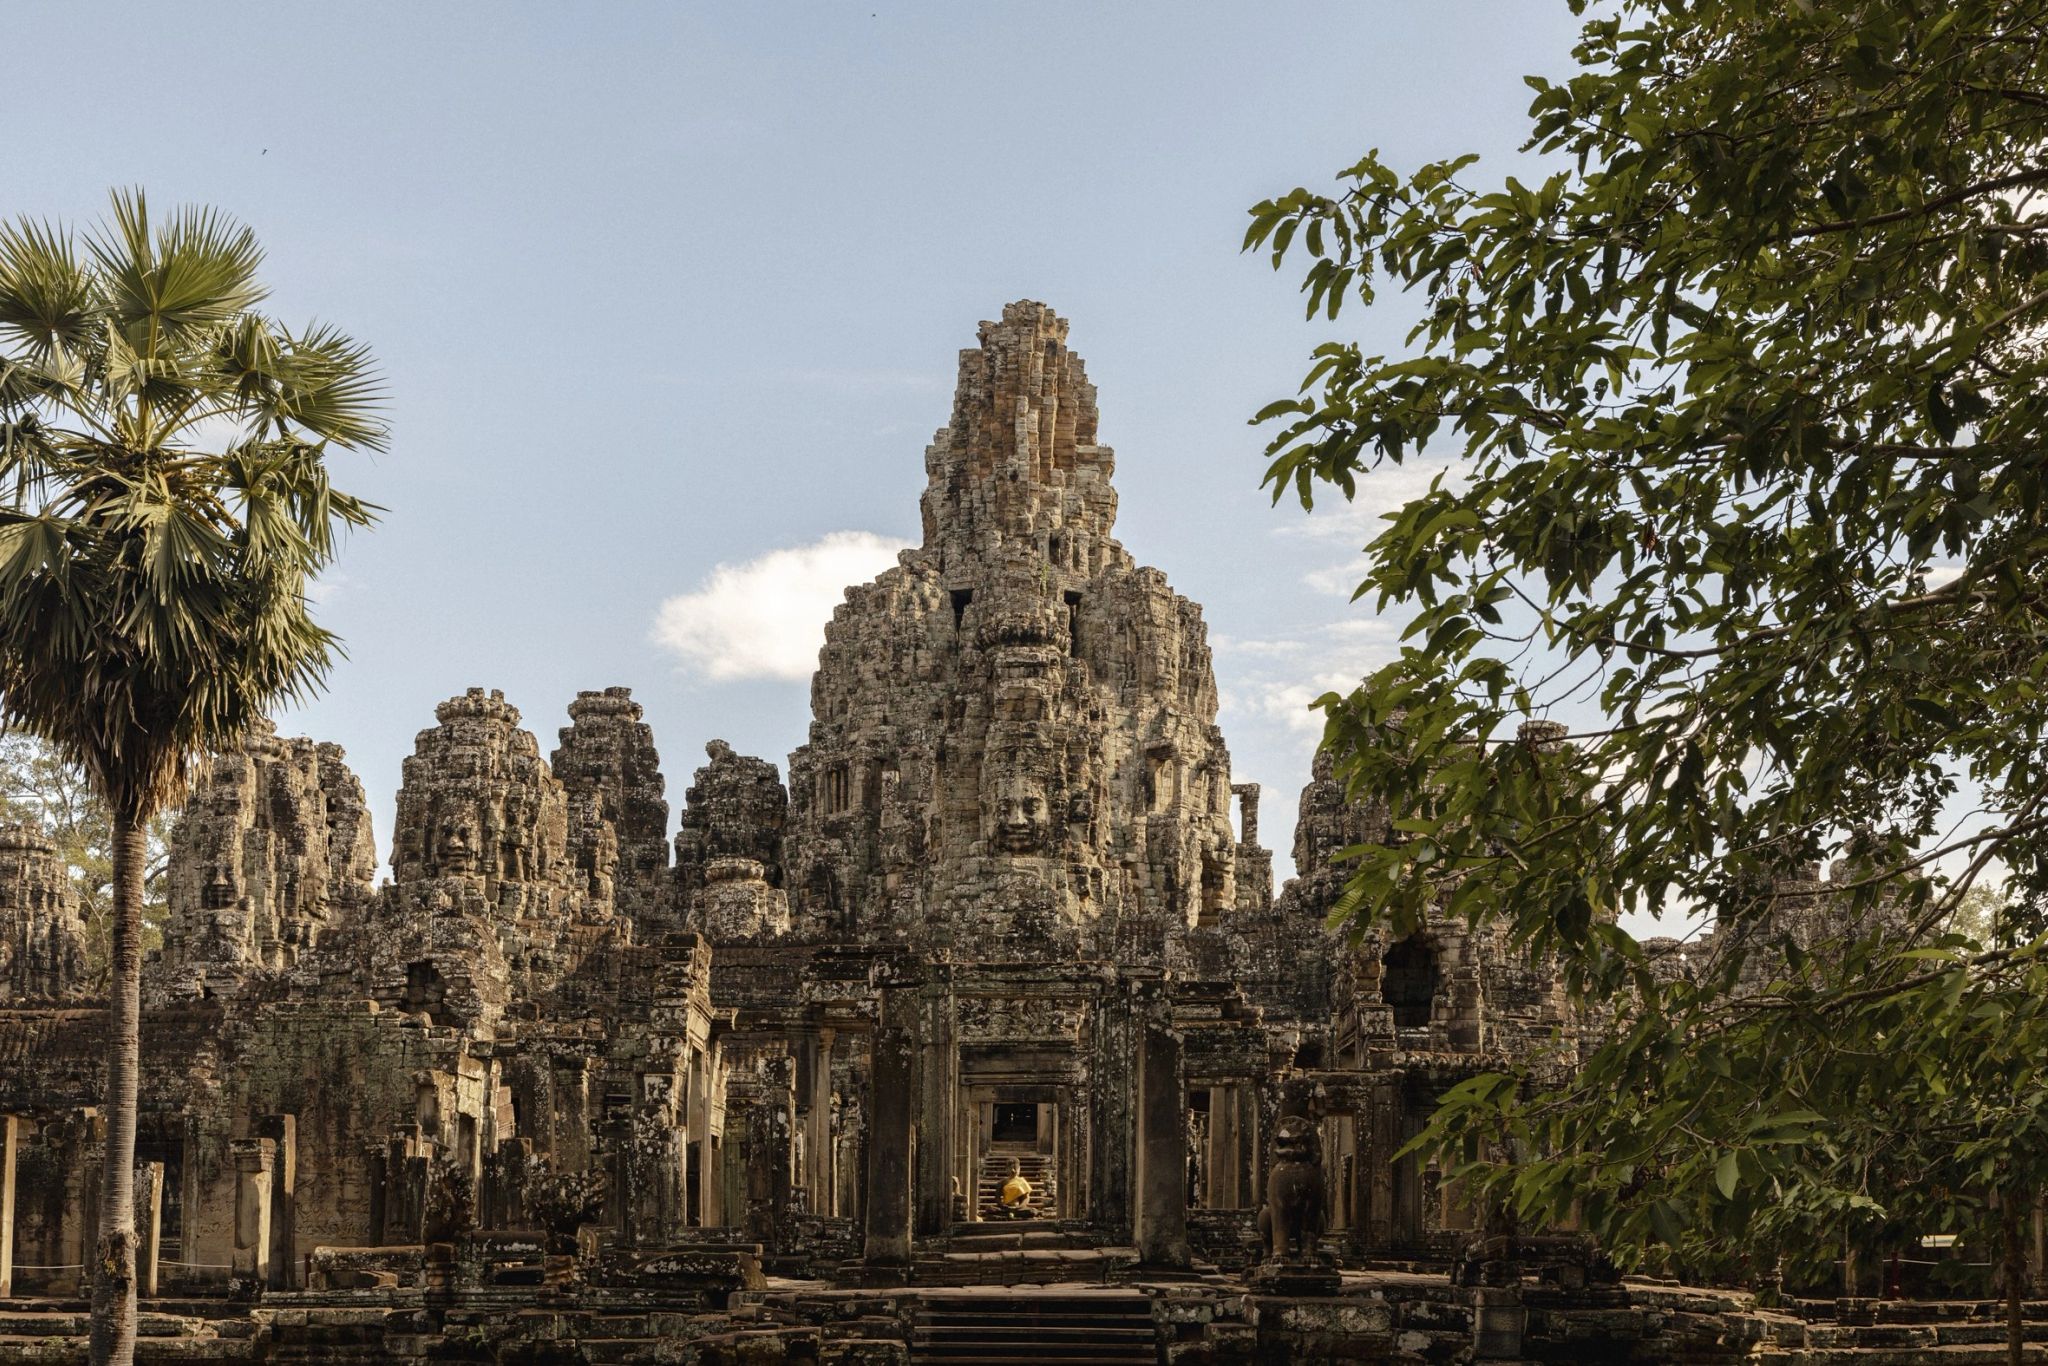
x=1362, y=517
x=1284, y=704
x=323, y=591
x=765, y=617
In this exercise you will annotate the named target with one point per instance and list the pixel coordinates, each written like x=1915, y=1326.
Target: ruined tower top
x=1013, y=740
x=1019, y=461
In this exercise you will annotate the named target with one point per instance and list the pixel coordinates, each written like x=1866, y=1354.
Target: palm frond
x=329, y=386
x=153, y=579
x=194, y=274
x=47, y=294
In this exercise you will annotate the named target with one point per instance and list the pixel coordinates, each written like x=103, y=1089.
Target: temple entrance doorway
x=1014, y=1126
x=1017, y=1132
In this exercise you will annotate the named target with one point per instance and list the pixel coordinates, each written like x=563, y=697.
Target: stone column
x=284, y=1130
x=935, y=1063
x=1112, y=1103
x=2037, y=1264
x=818, y=1125
x=1216, y=1183
x=149, y=1225
x=891, y=1099
x=697, y=1139
x=10, y=1146
x=1250, y=1195
x=1162, y=1214
x=1248, y=812
x=711, y=1203
x=255, y=1175
x=968, y=1136
x=1383, y=1141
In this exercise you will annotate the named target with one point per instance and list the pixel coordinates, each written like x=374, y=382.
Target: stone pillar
x=1162, y=1214
x=697, y=1139
x=85, y=1152
x=935, y=1096
x=818, y=1125
x=711, y=1203
x=1383, y=1141
x=2037, y=1264
x=1215, y=1192
x=149, y=1226
x=1248, y=812
x=255, y=1178
x=1498, y=1322
x=891, y=1099
x=284, y=1131
x=967, y=1134
x=10, y=1146
x=764, y=1171
x=1249, y=1191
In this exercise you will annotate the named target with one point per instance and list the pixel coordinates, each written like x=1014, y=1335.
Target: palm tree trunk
x=113, y=1283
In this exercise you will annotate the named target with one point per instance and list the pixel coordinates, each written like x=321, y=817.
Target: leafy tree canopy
x=1746, y=414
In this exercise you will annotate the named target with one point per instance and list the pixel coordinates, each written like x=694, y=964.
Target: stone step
x=1968, y=1354
x=1064, y=1328
x=68, y=1323
x=1887, y=1335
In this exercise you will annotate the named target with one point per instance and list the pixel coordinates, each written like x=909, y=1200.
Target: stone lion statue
x=1292, y=1218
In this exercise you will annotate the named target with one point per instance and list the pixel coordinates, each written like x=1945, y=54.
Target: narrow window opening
x=426, y=993
x=1408, y=982
x=961, y=597
x=1073, y=623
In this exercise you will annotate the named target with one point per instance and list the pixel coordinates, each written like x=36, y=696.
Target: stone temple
x=994, y=992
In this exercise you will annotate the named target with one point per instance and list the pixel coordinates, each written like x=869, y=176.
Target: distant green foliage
x=1750, y=402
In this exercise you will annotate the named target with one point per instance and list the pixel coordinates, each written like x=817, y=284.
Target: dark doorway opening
x=1015, y=1124
x=1408, y=983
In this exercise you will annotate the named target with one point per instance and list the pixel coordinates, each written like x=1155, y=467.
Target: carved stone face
x=1294, y=1140
x=1021, y=816
x=455, y=843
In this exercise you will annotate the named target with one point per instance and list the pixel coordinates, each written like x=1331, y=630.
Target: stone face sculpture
x=1292, y=1218
x=1021, y=817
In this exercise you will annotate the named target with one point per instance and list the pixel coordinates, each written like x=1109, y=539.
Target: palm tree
x=163, y=506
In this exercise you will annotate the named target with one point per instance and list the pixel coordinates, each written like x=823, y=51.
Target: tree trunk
x=113, y=1281
x=2013, y=1213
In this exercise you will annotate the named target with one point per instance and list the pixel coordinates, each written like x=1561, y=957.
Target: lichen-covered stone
x=1013, y=732
x=272, y=848
x=42, y=935
x=618, y=813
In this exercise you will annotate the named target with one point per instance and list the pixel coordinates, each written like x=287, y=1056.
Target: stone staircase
x=1037, y=1168
x=56, y=1331
x=1978, y=1342
x=1075, y=1328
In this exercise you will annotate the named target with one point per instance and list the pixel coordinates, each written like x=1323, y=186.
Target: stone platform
x=1200, y=1321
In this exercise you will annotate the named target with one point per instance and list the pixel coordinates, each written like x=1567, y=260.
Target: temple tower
x=1014, y=730
x=42, y=935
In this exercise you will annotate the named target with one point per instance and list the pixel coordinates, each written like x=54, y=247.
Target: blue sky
x=669, y=299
